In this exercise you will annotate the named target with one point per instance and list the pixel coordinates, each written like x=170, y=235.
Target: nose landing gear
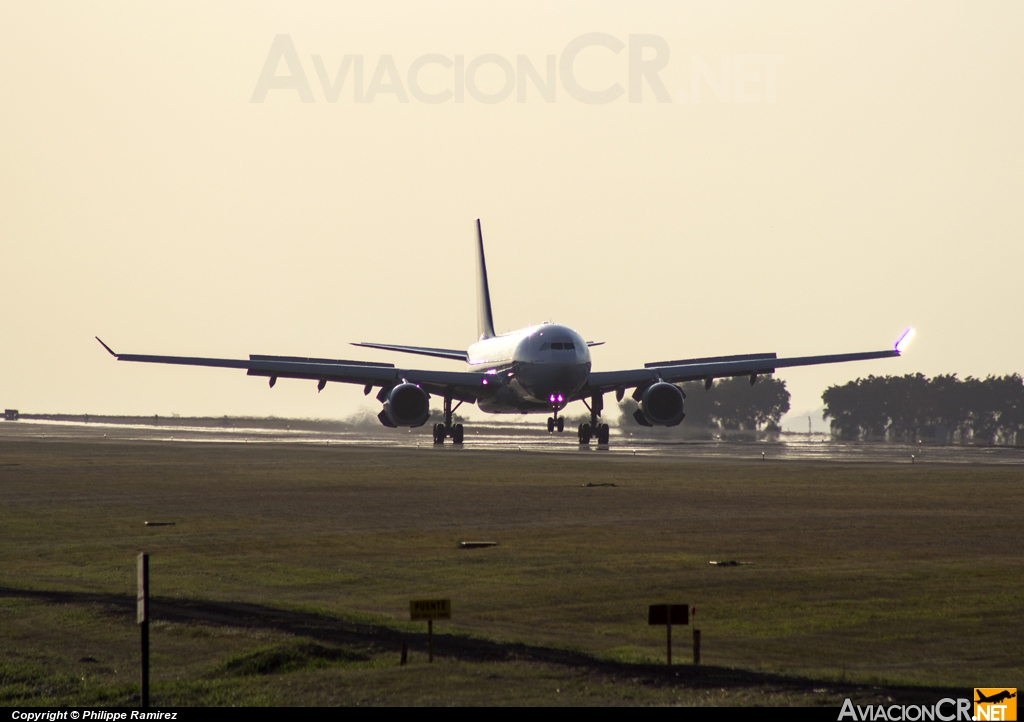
x=556, y=422
x=448, y=429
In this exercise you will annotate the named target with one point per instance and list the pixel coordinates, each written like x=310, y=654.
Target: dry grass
x=902, y=574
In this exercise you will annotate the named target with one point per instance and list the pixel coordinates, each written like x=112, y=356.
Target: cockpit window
x=545, y=346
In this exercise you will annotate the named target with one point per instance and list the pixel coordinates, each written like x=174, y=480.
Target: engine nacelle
x=661, y=405
x=405, y=405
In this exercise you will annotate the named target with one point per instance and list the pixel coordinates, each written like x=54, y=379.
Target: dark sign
x=430, y=609
x=664, y=614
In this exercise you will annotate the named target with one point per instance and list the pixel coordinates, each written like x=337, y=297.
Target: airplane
x=996, y=698
x=539, y=369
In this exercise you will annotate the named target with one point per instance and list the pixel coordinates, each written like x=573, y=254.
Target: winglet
x=903, y=341
x=109, y=350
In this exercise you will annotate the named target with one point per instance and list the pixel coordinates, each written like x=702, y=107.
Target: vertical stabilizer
x=484, y=321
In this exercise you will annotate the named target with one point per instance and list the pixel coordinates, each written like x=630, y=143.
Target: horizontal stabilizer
x=419, y=350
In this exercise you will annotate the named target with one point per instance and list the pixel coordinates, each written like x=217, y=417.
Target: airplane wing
x=708, y=369
x=461, y=385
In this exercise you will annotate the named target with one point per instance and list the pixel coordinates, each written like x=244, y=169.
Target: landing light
x=904, y=340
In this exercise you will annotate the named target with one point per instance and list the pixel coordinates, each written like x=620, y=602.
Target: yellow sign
x=995, y=703
x=430, y=609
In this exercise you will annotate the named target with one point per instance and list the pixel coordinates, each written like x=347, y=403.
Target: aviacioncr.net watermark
x=635, y=71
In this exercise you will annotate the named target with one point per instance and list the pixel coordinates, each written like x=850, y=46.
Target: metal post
x=696, y=646
x=430, y=640
x=142, y=617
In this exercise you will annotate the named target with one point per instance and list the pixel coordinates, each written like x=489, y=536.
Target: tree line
x=944, y=408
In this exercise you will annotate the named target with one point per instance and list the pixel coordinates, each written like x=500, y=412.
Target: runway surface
x=521, y=439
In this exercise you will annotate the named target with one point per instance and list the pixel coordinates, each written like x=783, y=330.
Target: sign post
x=667, y=615
x=696, y=637
x=142, y=617
x=430, y=609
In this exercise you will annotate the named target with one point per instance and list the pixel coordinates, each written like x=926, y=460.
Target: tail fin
x=484, y=321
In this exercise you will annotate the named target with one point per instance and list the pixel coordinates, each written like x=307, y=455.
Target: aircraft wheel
x=561, y=425
x=551, y=425
x=584, y=433
x=602, y=434
x=438, y=433
x=457, y=433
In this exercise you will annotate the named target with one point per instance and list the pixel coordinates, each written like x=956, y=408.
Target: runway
x=523, y=439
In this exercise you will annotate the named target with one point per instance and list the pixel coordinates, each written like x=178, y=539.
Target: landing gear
x=589, y=431
x=443, y=431
x=551, y=425
x=556, y=422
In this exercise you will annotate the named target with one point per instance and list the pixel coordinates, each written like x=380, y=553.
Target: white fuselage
x=535, y=369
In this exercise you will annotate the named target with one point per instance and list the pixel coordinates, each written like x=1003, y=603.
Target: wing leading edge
x=708, y=369
x=461, y=385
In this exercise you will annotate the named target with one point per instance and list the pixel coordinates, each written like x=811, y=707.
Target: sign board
x=664, y=614
x=430, y=609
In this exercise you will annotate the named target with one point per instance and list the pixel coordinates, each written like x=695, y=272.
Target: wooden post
x=430, y=640
x=405, y=654
x=142, y=617
x=696, y=646
x=668, y=627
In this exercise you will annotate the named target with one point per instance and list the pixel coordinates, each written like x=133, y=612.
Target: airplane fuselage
x=536, y=369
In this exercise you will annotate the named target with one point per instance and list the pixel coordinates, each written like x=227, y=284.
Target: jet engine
x=405, y=405
x=661, y=404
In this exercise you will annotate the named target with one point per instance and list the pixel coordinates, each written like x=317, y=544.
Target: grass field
x=287, y=575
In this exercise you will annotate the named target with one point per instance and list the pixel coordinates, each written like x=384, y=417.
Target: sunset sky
x=797, y=177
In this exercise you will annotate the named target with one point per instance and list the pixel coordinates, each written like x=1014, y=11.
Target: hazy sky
x=841, y=172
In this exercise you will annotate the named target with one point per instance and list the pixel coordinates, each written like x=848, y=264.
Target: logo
x=995, y=703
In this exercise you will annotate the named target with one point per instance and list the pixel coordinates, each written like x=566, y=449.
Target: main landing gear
x=448, y=429
x=588, y=431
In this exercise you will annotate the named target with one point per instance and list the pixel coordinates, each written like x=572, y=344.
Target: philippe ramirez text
x=91, y=715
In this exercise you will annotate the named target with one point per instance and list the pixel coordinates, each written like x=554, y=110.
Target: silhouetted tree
x=913, y=407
